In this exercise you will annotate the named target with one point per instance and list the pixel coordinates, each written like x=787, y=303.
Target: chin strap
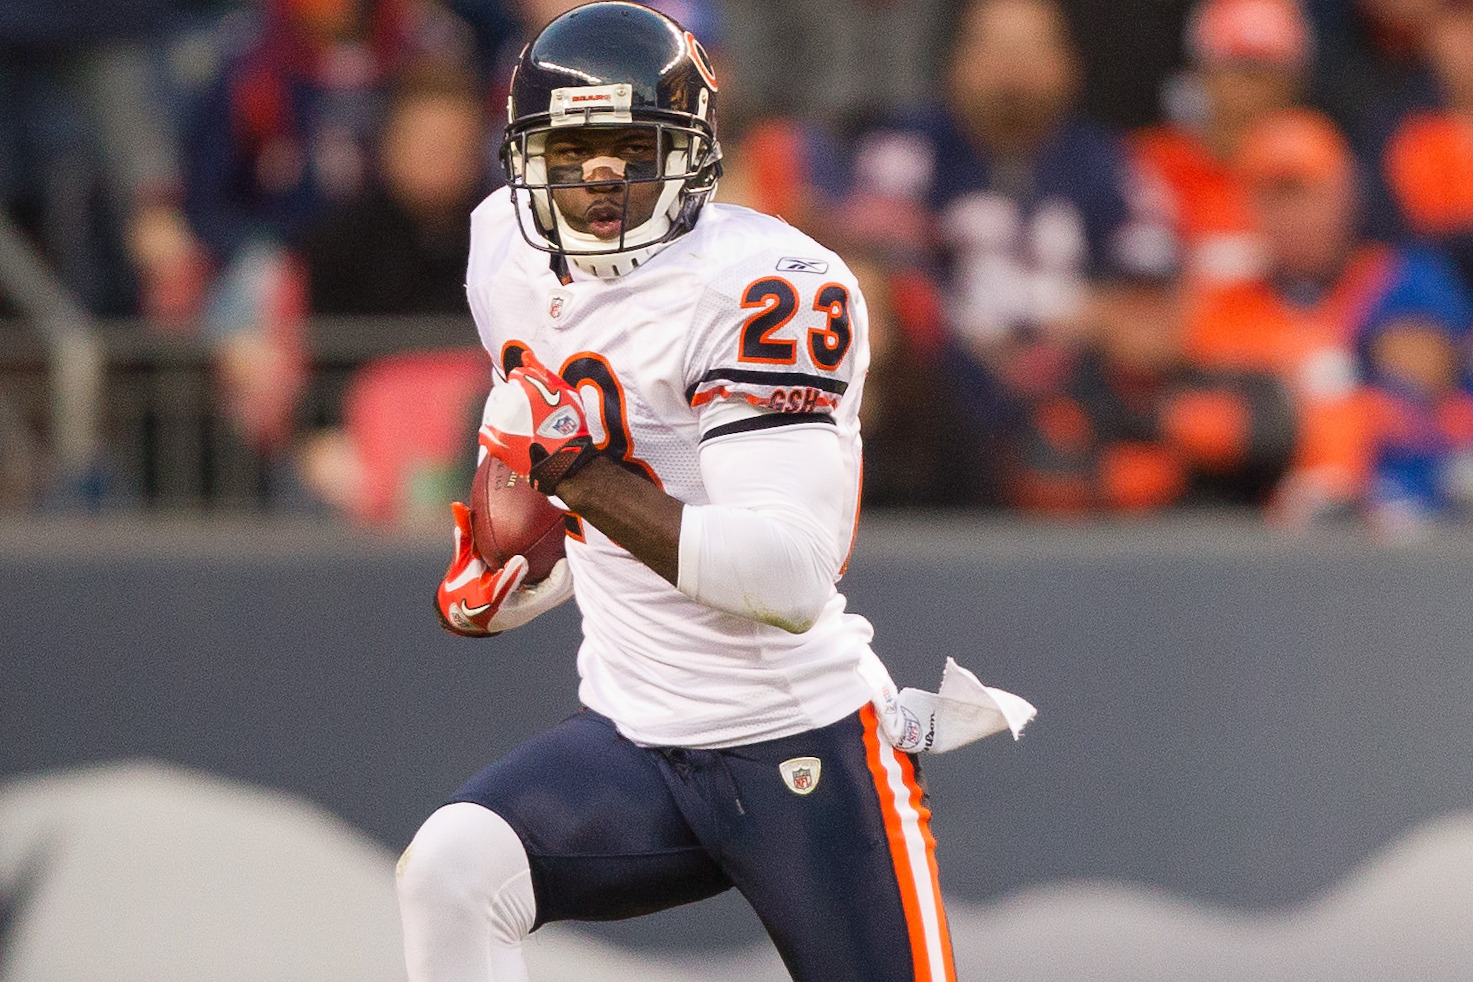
x=616, y=264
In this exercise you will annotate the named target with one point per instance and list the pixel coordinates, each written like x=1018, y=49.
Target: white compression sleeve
x=770, y=543
x=465, y=898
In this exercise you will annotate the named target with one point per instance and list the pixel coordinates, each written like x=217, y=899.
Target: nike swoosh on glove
x=535, y=424
x=475, y=601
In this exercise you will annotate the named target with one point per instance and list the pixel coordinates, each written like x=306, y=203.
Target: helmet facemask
x=684, y=165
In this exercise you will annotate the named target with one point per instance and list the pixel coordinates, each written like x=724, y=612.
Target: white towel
x=964, y=710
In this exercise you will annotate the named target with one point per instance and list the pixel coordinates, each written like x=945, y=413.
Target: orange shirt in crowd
x=1312, y=351
x=1429, y=164
x=1210, y=204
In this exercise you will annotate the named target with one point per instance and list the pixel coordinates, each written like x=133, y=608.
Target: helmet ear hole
x=680, y=159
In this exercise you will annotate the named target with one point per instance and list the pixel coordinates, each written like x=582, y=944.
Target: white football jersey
x=742, y=311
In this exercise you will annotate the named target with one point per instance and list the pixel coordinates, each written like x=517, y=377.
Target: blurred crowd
x=1264, y=299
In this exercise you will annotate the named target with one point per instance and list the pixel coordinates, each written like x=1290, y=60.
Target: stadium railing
x=115, y=415
x=73, y=366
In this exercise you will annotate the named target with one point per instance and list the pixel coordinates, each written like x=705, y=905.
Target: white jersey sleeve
x=764, y=548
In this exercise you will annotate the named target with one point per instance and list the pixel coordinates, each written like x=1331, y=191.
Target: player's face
x=606, y=157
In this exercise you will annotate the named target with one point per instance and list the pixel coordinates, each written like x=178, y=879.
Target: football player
x=684, y=377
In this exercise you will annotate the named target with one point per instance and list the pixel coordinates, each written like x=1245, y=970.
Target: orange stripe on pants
x=913, y=895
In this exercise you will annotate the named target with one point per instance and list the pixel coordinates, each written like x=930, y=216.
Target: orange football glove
x=535, y=425
x=471, y=593
x=475, y=601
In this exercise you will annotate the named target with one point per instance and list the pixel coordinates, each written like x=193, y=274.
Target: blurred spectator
x=1429, y=161
x=394, y=461
x=1248, y=58
x=402, y=247
x=1422, y=420
x=778, y=164
x=1134, y=426
x=285, y=130
x=257, y=320
x=88, y=165
x=282, y=136
x=1019, y=202
x=1341, y=320
x=1376, y=65
x=918, y=452
x=493, y=29
x=1371, y=72
x=832, y=62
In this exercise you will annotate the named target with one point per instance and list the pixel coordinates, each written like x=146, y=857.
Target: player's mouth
x=606, y=229
x=605, y=221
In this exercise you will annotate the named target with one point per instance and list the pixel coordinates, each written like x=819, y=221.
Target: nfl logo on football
x=912, y=737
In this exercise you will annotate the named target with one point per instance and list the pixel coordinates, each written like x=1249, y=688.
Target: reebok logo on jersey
x=790, y=264
x=564, y=422
x=801, y=774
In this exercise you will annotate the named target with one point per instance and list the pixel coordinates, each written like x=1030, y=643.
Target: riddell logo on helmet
x=569, y=104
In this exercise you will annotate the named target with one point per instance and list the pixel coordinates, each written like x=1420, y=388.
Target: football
x=509, y=518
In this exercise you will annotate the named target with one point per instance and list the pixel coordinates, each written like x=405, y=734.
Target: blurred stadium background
x=1169, y=429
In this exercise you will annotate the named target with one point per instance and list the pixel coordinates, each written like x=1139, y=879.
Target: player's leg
x=595, y=835
x=465, y=898
x=844, y=876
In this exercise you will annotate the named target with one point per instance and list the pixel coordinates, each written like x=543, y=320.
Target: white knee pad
x=465, y=891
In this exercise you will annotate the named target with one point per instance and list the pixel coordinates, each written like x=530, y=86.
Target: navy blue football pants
x=843, y=876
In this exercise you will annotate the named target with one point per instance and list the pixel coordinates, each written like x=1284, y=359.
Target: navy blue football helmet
x=612, y=64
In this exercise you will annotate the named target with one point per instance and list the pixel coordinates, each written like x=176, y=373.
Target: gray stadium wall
x=1226, y=713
